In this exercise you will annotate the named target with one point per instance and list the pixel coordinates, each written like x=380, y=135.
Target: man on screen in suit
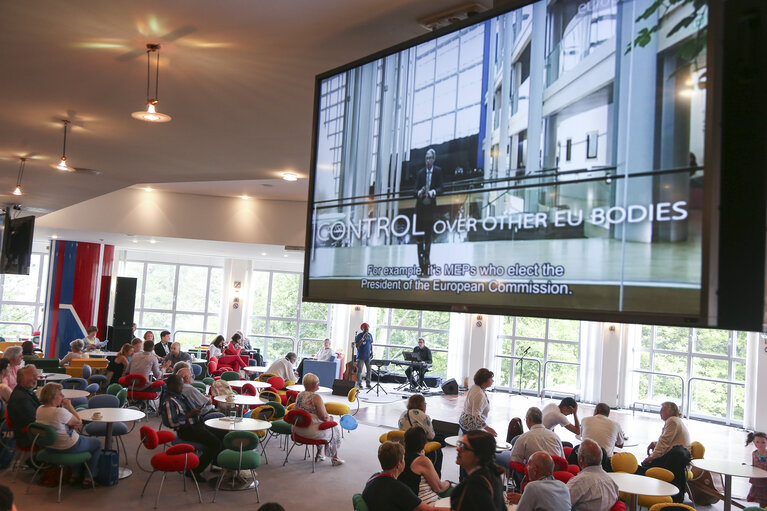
x=428, y=184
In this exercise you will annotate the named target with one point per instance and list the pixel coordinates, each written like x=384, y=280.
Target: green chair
x=122, y=395
x=230, y=376
x=44, y=436
x=239, y=454
x=208, y=380
x=199, y=386
x=114, y=388
x=359, y=503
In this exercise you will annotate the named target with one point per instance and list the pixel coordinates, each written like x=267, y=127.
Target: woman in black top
x=482, y=490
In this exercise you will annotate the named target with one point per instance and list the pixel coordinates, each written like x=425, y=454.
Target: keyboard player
x=422, y=354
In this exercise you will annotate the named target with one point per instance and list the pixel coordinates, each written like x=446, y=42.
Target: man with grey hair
x=543, y=492
x=23, y=404
x=15, y=358
x=592, y=489
x=536, y=439
x=195, y=397
x=603, y=430
x=428, y=184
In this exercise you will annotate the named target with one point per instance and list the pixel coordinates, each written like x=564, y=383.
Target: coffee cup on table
x=97, y=415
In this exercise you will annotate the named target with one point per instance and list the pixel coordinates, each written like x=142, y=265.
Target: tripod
x=378, y=385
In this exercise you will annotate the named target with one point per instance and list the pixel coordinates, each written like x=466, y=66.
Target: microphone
x=525, y=352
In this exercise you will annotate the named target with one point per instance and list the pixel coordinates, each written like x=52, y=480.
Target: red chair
x=562, y=475
x=561, y=464
x=618, y=506
x=302, y=419
x=178, y=458
x=151, y=440
x=521, y=471
x=568, y=450
x=215, y=369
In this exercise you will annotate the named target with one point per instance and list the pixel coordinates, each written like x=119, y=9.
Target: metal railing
x=173, y=336
x=667, y=375
x=265, y=344
x=538, y=378
x=30, y=325
x=301, y=341
x=545, y=366
x=712, y=380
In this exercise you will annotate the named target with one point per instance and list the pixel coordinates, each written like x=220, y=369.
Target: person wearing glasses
x=482, y=489
x=421, y=354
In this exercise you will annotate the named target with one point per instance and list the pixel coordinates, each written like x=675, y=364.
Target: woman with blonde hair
x=117, y=366
x=77, y=352
x=312, y=403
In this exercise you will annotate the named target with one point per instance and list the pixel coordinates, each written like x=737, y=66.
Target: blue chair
x=196, y=370
x=74, y=383
x=100, y=428
x=99, y=379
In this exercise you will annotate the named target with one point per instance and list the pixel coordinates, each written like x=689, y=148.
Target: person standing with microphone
x=363, y=341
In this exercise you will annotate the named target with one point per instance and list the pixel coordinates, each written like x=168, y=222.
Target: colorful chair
x=301, y=418
x=216, y=370
x=624, y=462
x=178, y=458
x=656, y=473
x=239, y=454
x=151, y=440
x=394, y=435
x=359, y=503
x=230, y=376
x=45, y=436
x=99, y=379
x=114, y=388
x=119, y=429
x=665, y=506
x=144, y=397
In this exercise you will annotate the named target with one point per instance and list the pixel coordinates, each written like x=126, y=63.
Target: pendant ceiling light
x=62, y=164
x=151, y=114
x=17, y=190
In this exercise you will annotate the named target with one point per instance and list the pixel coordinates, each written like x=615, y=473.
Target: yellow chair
x=663, y=475
x=394, y=435
x=624, y=462
x=431, y=447
x=290, y=407
x=352, y=397
x=697, y=451
x=4, y=345
x=336, y=408
x=675, y=507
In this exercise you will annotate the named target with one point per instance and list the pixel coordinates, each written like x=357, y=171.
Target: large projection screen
x=538, y=161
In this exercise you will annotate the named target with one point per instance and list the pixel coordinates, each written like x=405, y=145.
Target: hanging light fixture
x=62, y=164
x=151, y=114
x=17, y=190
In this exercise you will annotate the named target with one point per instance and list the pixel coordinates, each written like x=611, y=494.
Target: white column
x=235, y=299
x=610, y=377
x=756, y=383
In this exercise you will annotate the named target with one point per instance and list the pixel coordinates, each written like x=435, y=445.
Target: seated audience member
x=58, y=413
x=217, y=349
x=138, y=346
x=162, y=348
x=283, y=367
x=196, y=398
x=5, y=390
x=178, y=413
x=415, y=415
x=15, y=359
x=116, y=368
x=90, y=341
x=543, y=492
x=419, y=474
x=325, y=352
x=145, y=363
x=77, y=352
x=28, y=349
x=311, y=402
x=556, y=415
x=384, y=492
x=481, y=489
x=6, y=499
x=536, y=439
x=243, y=341
x=23, y=404
x=672, y=450
x=592, y=489
x=149, y=336
x=179, y=366
x=175, y=356
x=604, y=431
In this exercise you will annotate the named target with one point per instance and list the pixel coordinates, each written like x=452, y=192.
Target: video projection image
x=549, y=157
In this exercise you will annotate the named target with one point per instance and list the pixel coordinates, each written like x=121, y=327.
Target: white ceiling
x=236, y=75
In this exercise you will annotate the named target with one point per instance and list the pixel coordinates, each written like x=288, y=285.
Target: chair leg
x=90, y=475
x=162, y=481
x=314, y=456
x=33, y=479
x=61, y=479
x=288, y=454
x=147, y=482
x=258, y=495
x=199, y=495
x=220, y=478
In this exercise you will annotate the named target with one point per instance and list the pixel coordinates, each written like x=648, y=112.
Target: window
x=569, y=149
x=183, y=299
x=710, y=358
x=397, y=331
x=279, y=322
x=554, y=343
x=22, y=300
x=592, y=140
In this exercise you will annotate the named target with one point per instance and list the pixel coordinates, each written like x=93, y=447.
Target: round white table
x=636, y=485
x=103, y=354
x=110, y=416
x=240, y=401
x=500, y=445
x=53, y=376
x=729, y=469
x=241, y=424
x=74, y=394
x=300, y=388
x=255, y=369
x=238, y=384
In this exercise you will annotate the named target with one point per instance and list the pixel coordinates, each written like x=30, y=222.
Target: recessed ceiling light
x=148, y=189
x=263, y=253
x=244, y=197
x=153, y=241
x=134, y=241
x=285, y=255
x=54, y=237
x=289, y=176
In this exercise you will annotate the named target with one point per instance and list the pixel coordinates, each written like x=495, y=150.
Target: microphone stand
x=521, y=359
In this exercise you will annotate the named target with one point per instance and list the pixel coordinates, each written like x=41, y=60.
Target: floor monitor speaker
x=450, y=387
x=342, y=387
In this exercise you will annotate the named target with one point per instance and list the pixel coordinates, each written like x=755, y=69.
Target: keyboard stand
x=378, y=385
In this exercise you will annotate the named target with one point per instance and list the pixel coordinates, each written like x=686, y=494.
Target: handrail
x=192, y=332
x=545, y=364
x=30, y=325
x=713, y=380
x=538, y=379
x=265, y=337
x=670, y=375
x=300, y=343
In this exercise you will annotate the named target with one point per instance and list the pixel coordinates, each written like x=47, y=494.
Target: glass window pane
x=646, y=336
x=402, y=337
x=565, y=352
x=666, y=388
x=160, y=281
x=157, y=321
x=531, y=327
x=257, y=326
x=190, y=322
x=741, y=344
x=189, y=341
x=536, y=348
x=529, y=374
x=308, y=348
x=436, y=340
x=22, y=288
x=260, y=293
x=506, y=346
x=672, y=338
x=644, y=361
x=710, y=368
x=502, y=372
x=213, y=323
x=314, y=331
x=318, y=311
x=404, y=317
x=216, y=293
x=508, y=325
x=708, y=398
x=192, y=283
x=715, y=342
x=278, y=348
x=738, y=398
x=284, y=295
x=287, y=328
x=673, y=364
x=21, y=313
x=564, y=330
x=561, y=375
x=436, y=320
x=381, y=315
x=439, y=365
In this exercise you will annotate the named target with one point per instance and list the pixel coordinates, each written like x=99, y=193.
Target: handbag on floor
x=109, y=468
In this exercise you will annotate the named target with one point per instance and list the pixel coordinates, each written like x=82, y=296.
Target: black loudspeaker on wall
x=342, y=387
x=122, y=320
x=450, y=387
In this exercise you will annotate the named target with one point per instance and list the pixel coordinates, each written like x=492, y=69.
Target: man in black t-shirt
x=423, y=354
x=383, y=492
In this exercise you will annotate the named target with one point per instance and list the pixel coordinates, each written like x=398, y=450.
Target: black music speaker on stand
x=122, y=319
x=450, y=387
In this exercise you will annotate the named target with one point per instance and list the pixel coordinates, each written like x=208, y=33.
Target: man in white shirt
x=283, y=367
x=536, y=439
x=556, y=415
x=604, y=431
x=592, y=489
x=326, y=352
x=145, y=363
x=543, y=492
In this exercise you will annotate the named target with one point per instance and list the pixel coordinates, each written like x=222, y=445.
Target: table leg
x=633, y=499
x=727, y=492
x=122, y=471
x=108, y=437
